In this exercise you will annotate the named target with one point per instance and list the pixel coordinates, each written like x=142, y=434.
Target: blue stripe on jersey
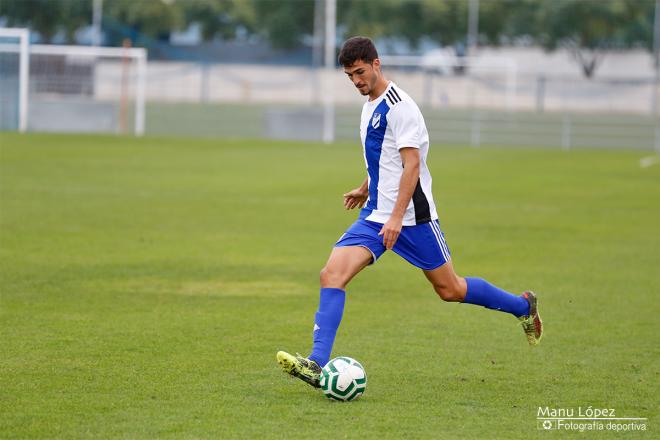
x=373, y=146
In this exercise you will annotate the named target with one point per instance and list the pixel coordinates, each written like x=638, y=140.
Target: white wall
x=621, y=83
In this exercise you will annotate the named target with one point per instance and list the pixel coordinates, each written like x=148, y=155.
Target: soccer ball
x=343, y=378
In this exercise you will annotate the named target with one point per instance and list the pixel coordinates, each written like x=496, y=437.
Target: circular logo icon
x=547, y=424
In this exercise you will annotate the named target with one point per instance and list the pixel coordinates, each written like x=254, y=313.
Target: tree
x=221, y=18
x=48, y=17
x=284, y=22
x=444, y=22
x=151, y=18
x=589, y=29
x=501, y=22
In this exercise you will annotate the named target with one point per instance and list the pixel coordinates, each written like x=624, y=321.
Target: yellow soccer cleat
x=300, y=367
x=531, y=323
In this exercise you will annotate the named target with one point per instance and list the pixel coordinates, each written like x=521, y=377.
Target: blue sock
x=482, y=293
x=326, y=322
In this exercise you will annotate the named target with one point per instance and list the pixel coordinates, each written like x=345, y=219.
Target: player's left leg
x=424, y=246
x=451, y=287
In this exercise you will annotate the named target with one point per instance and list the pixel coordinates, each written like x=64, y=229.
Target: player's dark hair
x=357, y=48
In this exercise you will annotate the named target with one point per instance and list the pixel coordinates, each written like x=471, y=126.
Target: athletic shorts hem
x=432, y=268
x=374, y=258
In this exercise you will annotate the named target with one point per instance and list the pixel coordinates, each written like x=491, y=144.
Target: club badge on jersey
x=375, y=121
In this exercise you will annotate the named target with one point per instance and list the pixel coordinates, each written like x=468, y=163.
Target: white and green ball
x=343, y=378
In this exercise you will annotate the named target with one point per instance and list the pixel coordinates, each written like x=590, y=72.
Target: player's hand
x=355, y=198
x=390, y=231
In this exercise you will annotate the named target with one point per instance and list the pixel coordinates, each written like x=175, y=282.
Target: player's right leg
x=343, y=264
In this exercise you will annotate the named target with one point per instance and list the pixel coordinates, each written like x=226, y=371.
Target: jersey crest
x=375, y=120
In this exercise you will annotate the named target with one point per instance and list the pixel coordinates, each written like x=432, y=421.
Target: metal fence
x=478, y=108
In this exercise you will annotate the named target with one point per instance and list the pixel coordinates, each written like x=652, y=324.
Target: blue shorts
x=422, y=245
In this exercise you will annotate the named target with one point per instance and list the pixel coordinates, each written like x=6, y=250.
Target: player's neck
x=379, y=88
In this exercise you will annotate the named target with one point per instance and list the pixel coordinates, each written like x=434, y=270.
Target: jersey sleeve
x=405, y=122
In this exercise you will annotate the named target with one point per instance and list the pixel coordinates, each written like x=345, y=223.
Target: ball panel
x=331, y=366
x=344, y=380
x=345, y=391
x=324, y=377
x=354, y=396
x=331, y=397
x=355, y=372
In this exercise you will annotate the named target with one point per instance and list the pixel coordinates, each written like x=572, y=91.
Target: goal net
x=76, y=88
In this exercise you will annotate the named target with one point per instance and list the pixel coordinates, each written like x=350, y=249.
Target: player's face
x=364, y=75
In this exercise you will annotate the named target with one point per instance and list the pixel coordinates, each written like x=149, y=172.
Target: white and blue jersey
x=391, y=122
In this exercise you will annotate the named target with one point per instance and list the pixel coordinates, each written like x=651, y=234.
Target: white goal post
x=21, y=46
x=79, y=88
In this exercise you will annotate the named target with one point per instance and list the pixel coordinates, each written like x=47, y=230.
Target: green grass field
x=146, y=285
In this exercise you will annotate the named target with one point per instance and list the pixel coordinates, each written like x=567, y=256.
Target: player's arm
x=409, y=178
x=358, y=196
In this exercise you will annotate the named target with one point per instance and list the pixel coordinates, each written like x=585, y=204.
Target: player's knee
x=450, y=292
x=332, y=278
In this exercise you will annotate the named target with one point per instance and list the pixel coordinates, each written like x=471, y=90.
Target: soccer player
x=398, y=213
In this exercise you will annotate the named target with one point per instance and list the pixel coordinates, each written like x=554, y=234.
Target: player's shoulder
x=399, y=101
x=394, y=95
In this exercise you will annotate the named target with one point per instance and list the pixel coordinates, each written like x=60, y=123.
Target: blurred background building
x=565, y=73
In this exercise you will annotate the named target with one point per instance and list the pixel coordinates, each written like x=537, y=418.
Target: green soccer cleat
x=531, y=323
x=300, y=367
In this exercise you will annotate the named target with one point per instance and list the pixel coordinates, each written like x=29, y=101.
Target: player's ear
x=376, y=63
